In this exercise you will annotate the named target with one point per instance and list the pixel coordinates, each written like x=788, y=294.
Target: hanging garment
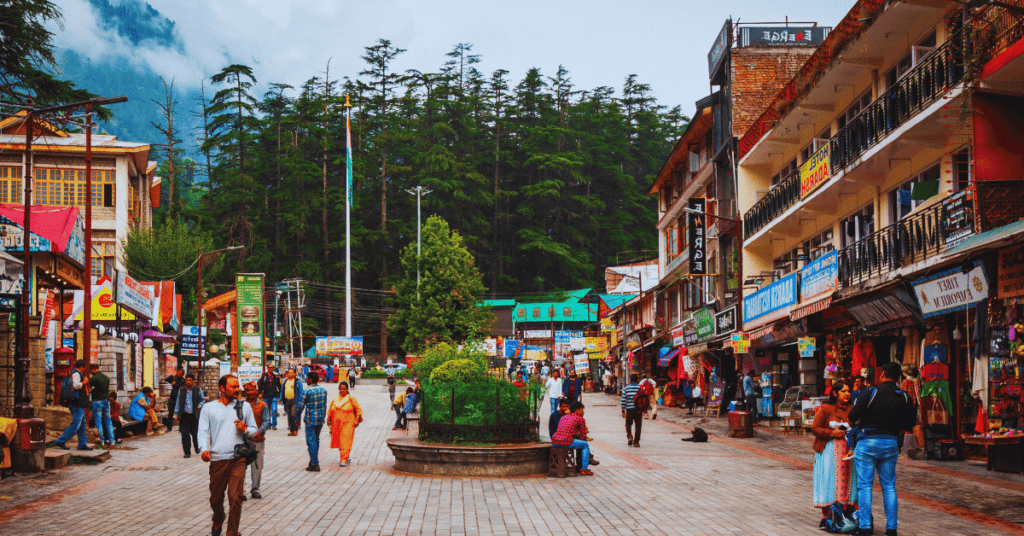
x=937, y=335
x=936, y=389
x=912, y=348
x=936, y=353
x=863, y=356
x=934, y=371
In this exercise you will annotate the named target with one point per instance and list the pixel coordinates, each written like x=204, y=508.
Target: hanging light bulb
x=957, y=335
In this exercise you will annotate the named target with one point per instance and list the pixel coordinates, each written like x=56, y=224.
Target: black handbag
x=245, y=450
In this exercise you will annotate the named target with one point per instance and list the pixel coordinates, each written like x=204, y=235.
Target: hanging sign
x=582, y=364
x=806, y=346
x=951, y=290
x=348, y=346
x=134, y=296
x=740, y=343
x=191, y=340
x=67, y=271
x=820, y=277
x=249, y=294
x=677, y=336
x=690, y=332
x=1011, y=272
x=704, y=320
x=696, y=226
x=958, y=217
x=725, y=322
x=814, y=172
x=771, y=302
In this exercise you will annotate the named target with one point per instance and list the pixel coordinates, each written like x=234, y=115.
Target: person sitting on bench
x=141, y=409
x=115, y=417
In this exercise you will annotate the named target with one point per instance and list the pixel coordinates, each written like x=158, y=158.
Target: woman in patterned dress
x=834, y=479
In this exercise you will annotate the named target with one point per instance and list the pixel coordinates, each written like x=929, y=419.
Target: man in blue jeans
x=572, y=433
x=99, y=389
x=269, y=387
x=314, y=402
x=78, y=404
x=883, y=414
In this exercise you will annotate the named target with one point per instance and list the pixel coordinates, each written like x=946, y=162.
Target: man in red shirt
x=570, y=427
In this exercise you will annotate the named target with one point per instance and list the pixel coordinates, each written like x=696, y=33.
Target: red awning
x=757, y=334
x=56, y=224
x=810, y=309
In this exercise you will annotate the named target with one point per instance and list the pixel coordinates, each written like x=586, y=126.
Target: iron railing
x=774, y=203
x=442, y=425
x=1000, y=28
x=925, y=83
x=905, y=242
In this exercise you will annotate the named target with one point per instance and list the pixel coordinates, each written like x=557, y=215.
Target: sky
x=600, y=42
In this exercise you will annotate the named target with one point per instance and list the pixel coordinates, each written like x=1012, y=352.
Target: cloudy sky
x=665, y=42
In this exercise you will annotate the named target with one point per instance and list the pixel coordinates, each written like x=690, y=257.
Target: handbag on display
x=937, y=414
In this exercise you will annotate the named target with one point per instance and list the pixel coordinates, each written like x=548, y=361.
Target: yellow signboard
x=103, y=306
x=814, y=172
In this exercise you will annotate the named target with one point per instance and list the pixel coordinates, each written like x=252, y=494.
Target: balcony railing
x=925, y=83
x=1000, y=28
x=775, y=202
x=905, y=242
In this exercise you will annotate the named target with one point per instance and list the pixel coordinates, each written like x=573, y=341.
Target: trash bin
x=741, y=424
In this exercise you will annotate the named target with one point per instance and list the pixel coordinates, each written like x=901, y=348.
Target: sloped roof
x=498, y=303
x=614, y=300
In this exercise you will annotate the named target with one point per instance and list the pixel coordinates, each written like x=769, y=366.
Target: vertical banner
x=249, y=291
x=696, y=226
x=148, y=370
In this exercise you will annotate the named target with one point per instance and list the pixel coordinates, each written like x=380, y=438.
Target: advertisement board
x=958, y=217
x=134, y=296
x=951, y=290
x=341, y=345
x=704, y=320
x=786, y=36
x=248, y=373
x=820, y=277
x=537, y=334
x=815, y=171
x=249, y=294
x=582, y=364
x=771, y=302
x=597, y=344
x=191, y=340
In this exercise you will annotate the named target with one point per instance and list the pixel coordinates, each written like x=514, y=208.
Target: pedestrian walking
x=398, y=404
x=343, y=417
x=883, y=414
x=177, y=381
x=291, y=393
x=572, y=433
x=261, y=414
x=191, y=399
x=634, y=418
x=314, y=403
x=115, y=417
x=751, y=392
x=553, y=391
x=220, y=430
x=337, y=371
x=651, y=386
x=572, y=387
x=99, y=391
x=269, y=389
x=352, y=376
x=834, y=477
x=77, y=400
x=545, y=372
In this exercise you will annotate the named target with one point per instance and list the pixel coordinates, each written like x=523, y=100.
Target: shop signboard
x=582, y=364
x=696, y=226
x=719, y=48
x=782, y=36
x=249, y=294
x=820, y=277
x=191, y=340
x=537, y=334
x=814, y=172
x=579, y=344
x=717, y=393
x=248, y=373
x=690, y=332
x=48, y=312
x=331, y=346
x=806, y=346
x=725, y=322
x=225, y=368
x=607, y=324
x=705, y=324
x=138, y=366
x=958, y=217
x=67, y=271
x=773, y=301
x=1011, y=273
x=740, y=343
x=951, y=290
x=134, y=296
x=677, y=335
x=563, y=340
x=491, y=347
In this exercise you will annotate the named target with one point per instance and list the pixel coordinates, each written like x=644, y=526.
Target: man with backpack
x=269, y=389
x=635, y=402
x=223, y=425
x=74, y=394
x=882, y=414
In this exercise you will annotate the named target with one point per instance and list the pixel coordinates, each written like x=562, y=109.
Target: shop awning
x=55, y=230
x=667, y=358
x=158, y=336
x=893, y=309
x=757, y=334
x=811, y=308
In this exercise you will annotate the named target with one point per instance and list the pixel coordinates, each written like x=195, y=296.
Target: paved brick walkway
x=725, y=487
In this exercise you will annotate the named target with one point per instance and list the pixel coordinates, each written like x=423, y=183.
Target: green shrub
x=442, y=353
x=374, y=374
x=458, y=371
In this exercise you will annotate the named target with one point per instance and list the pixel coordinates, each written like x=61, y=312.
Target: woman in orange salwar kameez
x=343, y=416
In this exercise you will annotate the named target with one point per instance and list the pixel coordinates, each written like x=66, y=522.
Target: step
x=56, y=458
x=90, y=456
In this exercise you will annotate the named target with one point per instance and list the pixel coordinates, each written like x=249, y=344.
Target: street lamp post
x=419, y=192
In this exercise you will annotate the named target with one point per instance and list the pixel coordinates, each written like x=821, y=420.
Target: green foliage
x=442, y=305
x=489, y=402
x=439, y=354
x=458, y=371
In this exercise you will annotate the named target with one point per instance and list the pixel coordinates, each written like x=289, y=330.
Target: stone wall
x=42, y=391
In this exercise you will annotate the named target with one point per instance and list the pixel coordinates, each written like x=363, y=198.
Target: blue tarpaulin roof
x=667, y=358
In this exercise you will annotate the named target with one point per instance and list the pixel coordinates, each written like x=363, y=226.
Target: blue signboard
x=820, y=277
x=773, y=299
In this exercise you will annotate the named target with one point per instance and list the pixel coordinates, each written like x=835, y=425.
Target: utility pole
x=419, y=192
x=348, y=217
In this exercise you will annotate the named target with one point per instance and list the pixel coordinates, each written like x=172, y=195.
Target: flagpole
x=348, y=218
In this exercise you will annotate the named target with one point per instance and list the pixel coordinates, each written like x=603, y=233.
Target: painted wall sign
x=249, y=293
x=820, y=277
x=696, y=226
x=537, y=334
x=1011, y=272
x=814, y=172
x=343, y=346
x=725, y=322
x=951, y=290
x=773, y=301
x=788, y=36
x=705, y=324
x=134, y=296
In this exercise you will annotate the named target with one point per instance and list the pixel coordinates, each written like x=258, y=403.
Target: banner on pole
x=249, y=293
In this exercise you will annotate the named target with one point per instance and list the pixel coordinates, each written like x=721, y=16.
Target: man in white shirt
x=220, y=430
x=553, y=390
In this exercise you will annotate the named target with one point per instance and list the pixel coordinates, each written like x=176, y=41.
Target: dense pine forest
x=545, y=181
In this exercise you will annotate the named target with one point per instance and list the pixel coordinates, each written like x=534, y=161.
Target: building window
x=857, y=107
x=963, y=169
x=66, y=187
x=521, y=313
x=788, y=262
x=819, y=244
x=899, y=198
x=917, y=53
x=10, y=185
x=103, y=259
x=536, y=312
x=818, y=142
x=858, y=225
x=784, y=173
x=672, y=240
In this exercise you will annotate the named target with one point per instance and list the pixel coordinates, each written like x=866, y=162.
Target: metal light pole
x=348, y=217
x=419, y=192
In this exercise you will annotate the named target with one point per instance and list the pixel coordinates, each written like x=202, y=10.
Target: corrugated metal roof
x=498, y=303
x=989, y=238
x=563, y=311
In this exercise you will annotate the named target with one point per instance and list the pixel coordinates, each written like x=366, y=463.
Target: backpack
x=68, y=394
x=836, y=522
x=641, y=401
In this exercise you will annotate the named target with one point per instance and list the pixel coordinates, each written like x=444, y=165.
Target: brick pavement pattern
x=723, y=487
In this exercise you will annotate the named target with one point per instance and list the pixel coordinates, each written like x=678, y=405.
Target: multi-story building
x=859, y=184
x=699, y=256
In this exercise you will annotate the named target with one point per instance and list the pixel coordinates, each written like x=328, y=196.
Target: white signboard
x=134, y=296
x=577, y=344
x=582, y=364
x=952, y=290
x=225, y=368
x=537, y=334
x=248, y=373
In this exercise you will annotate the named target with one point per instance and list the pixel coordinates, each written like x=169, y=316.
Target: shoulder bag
x=245, y=450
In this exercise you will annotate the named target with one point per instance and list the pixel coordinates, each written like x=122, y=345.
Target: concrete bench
x=562, y=462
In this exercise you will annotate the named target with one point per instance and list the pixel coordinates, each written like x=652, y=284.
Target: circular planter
x=414, y=456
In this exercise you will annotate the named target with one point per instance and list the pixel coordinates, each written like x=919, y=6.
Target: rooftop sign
x=786, y=36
